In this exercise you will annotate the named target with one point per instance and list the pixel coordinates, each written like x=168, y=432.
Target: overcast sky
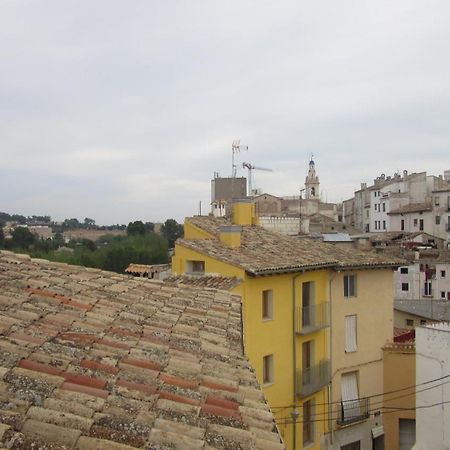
x=123, y=110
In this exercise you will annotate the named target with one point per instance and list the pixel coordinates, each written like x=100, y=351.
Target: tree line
x=141, y=245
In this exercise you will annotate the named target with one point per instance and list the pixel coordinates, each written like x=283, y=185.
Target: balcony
x=313, y=318
x=351, y=411
x=313, y=378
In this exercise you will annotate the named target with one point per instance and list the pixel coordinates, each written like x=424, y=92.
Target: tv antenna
x=236, y=147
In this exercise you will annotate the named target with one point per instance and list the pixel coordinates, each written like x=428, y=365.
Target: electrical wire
x=369, y=396
x=290, y=420
x=374, y=407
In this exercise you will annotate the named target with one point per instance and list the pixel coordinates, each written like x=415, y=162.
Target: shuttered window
x=351, y=344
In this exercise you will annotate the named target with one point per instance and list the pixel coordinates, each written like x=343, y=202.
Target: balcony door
x=308, y=301
x=350, y=396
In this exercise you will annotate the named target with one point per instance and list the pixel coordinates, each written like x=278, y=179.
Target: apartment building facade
x=315, y=318
x=409, y=202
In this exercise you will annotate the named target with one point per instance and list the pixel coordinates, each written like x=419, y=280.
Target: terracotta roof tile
x=93, y=360
x=263, y=251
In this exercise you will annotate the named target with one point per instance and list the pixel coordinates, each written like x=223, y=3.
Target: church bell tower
x=312, y=181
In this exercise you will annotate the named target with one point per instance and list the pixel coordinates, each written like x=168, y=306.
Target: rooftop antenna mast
x=236, y=147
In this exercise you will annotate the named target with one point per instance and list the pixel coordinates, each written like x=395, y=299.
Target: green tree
x=2, y=236
x=171, y=230
x=135, y=228
x=89, y=223
x=22, y=238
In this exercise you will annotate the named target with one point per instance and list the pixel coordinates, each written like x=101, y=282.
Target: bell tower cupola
x=312, y=181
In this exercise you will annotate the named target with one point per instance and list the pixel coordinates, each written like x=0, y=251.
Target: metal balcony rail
x=313, y=378
x=313, y=318
x=353, y=411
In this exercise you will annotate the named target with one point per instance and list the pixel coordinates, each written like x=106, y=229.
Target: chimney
x=230, y=235
x=244, y=212
x=363, y=186
x=405, y=173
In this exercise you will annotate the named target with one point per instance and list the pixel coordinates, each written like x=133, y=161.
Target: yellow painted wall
x=399, y=372
x=193, y=232
x=373, y=306
x=265, y=337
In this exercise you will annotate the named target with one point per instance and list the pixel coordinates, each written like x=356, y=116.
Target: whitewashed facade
x=432, y=399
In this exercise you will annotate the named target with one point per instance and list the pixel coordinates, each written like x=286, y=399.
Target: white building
x=423, y=280
x=433, y=399
x=408, y=202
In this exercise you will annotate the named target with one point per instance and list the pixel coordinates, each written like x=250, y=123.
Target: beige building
x=399, y=374
x=361, y=325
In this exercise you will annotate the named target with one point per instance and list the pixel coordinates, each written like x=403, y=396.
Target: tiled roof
x=145, y=269
x=96, y=360
x=262, y=251
x=206, y=281
x=411, y=208
x=209, y=224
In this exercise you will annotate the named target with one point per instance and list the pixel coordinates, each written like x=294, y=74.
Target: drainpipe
x=330, y=384
x=294, y=360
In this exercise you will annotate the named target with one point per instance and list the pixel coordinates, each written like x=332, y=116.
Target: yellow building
x=286, y=288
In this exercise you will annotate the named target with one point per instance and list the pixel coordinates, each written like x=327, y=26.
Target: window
x=404, y=270
x=442, y=273
x=402, y=225
x=349, y=285
x=415, y=222
x=267, y=304
x=384, y=224
x=268, y=375
x=308, y=422
x=407, y=433
x=423, y=321
x=351, y=344
x=438, y=220
x=195, y=267
x=352, y=446
x=375, y=206
x=421, y=225
x=384, y=207
x=375, y=223
x=436, y=201
x=409, y=322
x=405, y=287
x=442, y=294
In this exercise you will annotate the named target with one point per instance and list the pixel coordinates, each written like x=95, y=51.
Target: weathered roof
x=336, y=237
x=429, y=309
x=95, y=360
x=262, y=251
x=411, y=208
x=207, y=281
x=146, y=269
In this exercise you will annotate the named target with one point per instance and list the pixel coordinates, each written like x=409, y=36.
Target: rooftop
x=210, y=281
x=95, y=360
x=411, y=208
x=429, y=309
x=262, y=251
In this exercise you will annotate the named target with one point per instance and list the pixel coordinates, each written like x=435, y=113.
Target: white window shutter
x=351, y=344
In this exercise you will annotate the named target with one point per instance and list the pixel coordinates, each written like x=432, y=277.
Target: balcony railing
x=353, y=411
x=313, y=378
x=313, y=318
